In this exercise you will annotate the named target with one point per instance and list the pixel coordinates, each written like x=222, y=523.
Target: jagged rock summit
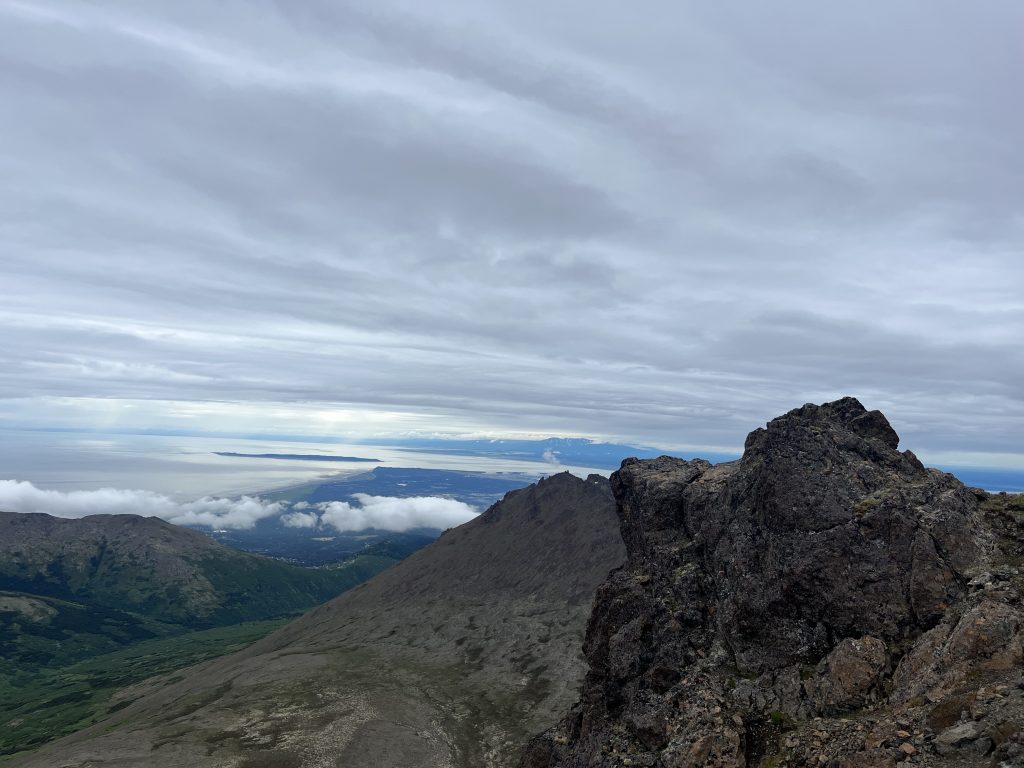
x=825, y=600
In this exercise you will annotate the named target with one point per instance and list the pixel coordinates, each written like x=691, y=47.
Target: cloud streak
x=662, y=228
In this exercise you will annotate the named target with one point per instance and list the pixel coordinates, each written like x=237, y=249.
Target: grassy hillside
x=89, y=606
x=45, y=703
x=168, y=574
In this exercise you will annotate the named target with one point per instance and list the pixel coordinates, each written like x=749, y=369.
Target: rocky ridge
x=825, y=600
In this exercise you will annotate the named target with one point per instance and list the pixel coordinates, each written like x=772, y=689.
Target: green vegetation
x=38, y=631
x=81, y=620
x=252, y=588
x=214, y=587
x=1005, y=512
x=1009, y=503
x=47, y=703
x=41, y=631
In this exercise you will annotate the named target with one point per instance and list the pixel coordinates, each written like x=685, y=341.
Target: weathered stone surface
x=1009, y=754
x=981, y=636
x=1004, y=731
x=876, y=758
x=950, y=711
x=957, y=736
x=821, y=601
x=848, y=676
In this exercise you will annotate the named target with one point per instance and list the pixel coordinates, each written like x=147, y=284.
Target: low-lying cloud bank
x=244, y=512
x=392, y=513
x=382, y=512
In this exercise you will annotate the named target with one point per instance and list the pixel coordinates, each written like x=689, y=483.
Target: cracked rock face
x=813, y=603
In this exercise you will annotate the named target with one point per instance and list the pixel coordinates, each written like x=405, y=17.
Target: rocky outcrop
x=824, y=601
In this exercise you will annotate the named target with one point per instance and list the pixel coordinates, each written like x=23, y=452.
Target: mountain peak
x=843, y=418
x=822, y=574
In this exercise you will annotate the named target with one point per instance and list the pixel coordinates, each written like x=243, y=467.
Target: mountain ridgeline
x=454, y=657
x=167, y=573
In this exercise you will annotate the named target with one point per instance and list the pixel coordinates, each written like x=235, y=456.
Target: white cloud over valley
x=392, y=513
x=382, y=512
x=244, y=512
x=300, y=519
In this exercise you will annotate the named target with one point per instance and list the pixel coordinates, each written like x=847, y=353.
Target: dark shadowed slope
x=824, y=601
x=453, y=657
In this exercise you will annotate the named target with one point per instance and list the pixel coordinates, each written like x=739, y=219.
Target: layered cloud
x=22, y=496
x=665, y=227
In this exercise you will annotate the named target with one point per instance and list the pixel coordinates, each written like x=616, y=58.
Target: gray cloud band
x=664, y=227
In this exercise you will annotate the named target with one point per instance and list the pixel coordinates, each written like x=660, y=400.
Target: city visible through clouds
x=364, y=219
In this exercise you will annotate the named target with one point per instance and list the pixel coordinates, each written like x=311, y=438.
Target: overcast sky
x=664, y=222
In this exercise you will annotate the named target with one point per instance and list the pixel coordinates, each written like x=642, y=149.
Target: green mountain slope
x=41, y=703
x=166, y=573
x=91, y=605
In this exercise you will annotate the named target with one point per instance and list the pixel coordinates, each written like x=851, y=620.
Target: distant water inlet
x=188, y=467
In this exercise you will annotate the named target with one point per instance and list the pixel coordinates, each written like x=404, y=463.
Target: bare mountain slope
x=451, y=658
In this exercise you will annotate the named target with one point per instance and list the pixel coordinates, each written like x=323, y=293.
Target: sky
x=662, y=223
